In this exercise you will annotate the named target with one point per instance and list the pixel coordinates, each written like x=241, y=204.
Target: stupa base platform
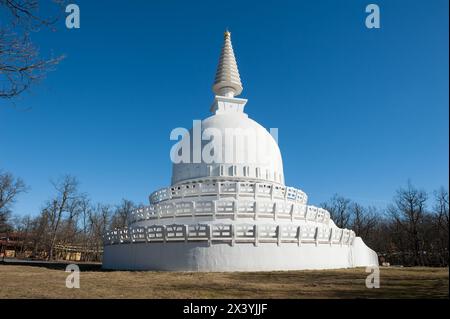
x=223, y=257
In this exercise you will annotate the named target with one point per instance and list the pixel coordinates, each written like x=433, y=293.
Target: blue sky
x=359, y=111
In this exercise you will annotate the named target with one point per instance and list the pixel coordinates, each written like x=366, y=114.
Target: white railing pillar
x=186, y=233
x=157, y=211
x=193, y=208
x=164, y=233
x=145, y=234
x=279, y=235
x=209, y=231
x=232, y=233
x=214, y=209
x=316, y=235
x=200, y=188
x=218, y=189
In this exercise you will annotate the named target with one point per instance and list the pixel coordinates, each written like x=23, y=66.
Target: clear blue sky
x=359, y=111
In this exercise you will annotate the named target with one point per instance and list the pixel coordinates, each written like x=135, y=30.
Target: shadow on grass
x=57, y=265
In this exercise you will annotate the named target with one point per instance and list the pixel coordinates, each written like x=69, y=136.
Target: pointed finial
x=227, y=81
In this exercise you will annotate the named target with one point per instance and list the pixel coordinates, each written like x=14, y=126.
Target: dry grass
x=42, y=282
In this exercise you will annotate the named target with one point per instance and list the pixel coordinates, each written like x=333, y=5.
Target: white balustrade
x=230, y=208
x=263, y=190
x=231, y=233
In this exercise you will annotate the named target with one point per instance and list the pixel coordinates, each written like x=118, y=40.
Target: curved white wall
x=363, y=255
x=242, y=257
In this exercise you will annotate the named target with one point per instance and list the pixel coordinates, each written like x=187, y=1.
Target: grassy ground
x=18, y=281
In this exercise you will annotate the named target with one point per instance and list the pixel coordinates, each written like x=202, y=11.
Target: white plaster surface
x=241, y=257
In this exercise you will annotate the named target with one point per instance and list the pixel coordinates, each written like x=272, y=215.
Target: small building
x=11, y=244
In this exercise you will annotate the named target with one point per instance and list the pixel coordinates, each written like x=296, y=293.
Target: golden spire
x=227, y=81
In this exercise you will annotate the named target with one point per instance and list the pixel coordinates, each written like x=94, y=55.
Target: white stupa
x=234, y=212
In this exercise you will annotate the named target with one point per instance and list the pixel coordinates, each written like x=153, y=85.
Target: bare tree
x=99, y=220
x=94, y=221
x=363, y=219
x=121, y=214
x=23, y=225
x=86, y=209
x=338, y=207
x=64, y=202
x=442, y=209
x=39, y=233
x=441, y=224
x=20, y=62
x=408, y=212
x=10, y=187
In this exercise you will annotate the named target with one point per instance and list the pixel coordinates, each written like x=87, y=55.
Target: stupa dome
x=247, y=151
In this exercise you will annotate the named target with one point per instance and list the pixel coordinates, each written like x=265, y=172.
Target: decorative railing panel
x=267, y=233
x=227, y=208
x=245, y=232
x=222, y=231
x=231, y=233
x=155, y=233
x=263, y=190
x=138, y=234
x=198, y=232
